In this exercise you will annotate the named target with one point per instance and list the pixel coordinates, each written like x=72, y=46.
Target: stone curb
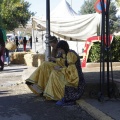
x=89, y=65
x=94, y=112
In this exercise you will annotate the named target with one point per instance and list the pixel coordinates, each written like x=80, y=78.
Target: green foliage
x=115, y=47
x=114, y=54
x=114, y=24
x=14, y=13
x=118, y=2
x=94, y=53
x=88, y=8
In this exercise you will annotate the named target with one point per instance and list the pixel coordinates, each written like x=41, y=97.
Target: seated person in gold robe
x=39, y=78
x=66, y=84
x=60, y=82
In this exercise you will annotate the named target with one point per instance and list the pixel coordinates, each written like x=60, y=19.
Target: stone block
x=17, y=57
x=33, y=59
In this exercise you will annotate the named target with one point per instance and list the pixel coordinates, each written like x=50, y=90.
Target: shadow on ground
x=30, y=107
x=93, y=84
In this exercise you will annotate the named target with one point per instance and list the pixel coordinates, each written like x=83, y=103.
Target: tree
x=0, y=10
x=14, y=13
x=94, y=54
x=88, y=8
x=118, y=2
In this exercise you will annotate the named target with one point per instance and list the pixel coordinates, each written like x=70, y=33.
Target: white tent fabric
x=63, y=10
x=78, y=28
x=66, y=24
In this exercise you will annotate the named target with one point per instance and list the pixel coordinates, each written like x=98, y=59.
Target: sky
x=39, y=6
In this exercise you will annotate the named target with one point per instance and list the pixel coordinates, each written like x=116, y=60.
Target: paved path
x=17, y=101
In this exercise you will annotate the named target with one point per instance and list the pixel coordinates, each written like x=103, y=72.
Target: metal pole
x=33, y=35
x=71, y=3
x=48, y=49
x=107, y=45
x=102, y=55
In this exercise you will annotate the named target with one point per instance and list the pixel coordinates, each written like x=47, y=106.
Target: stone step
x=98, y=64
x=93, y=90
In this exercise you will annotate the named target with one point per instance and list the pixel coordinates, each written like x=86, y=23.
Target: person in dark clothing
x=7, y=57
x=3, y=38
x=16, y=42
x=30, y=40
x=24, y=43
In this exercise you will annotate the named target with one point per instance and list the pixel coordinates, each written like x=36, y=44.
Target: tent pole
x=71, y=3
x=33, y=35
x=48, y=49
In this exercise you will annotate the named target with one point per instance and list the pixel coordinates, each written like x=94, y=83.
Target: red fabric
x=2, y=51
x=24, y=46
x=88, y=45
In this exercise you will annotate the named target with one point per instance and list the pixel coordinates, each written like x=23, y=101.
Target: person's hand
x=52, y=59
x=57, y=67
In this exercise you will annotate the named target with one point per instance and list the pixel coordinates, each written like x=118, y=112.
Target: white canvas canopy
x=68, y=25
x=63, y=10
x=77, y=29
x=65, y=23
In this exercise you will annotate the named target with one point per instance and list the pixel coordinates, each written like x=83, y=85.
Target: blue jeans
x=7, y=57
x=2, y=57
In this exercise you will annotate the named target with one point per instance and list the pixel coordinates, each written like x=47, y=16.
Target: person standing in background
x=7, y=57
x=3, y=39
x=30, y=40
x=24, y=43
x=17, y=43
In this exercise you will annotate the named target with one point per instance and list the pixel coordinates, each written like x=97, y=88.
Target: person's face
x=61, y=51
x=53, y=45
